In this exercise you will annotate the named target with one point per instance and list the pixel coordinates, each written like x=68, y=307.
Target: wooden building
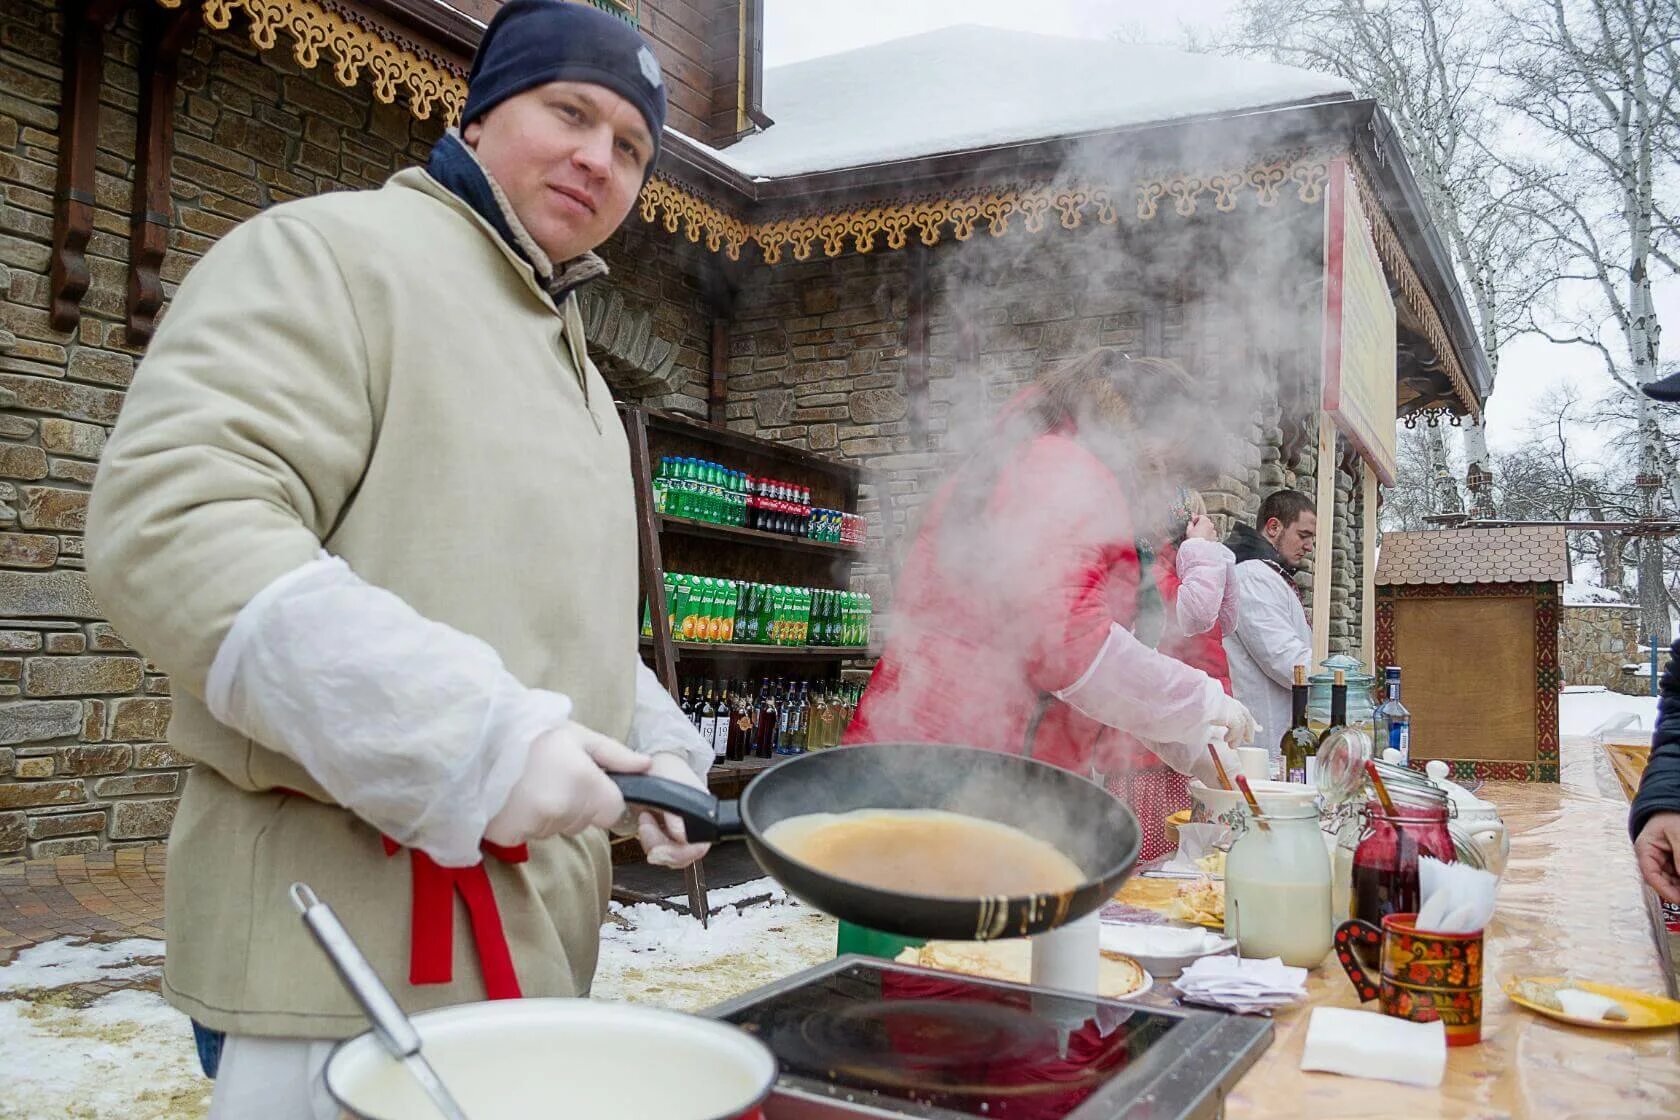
x=1471, y=617
x=856, y=256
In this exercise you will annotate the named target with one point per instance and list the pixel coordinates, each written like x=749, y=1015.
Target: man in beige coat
x=370, y=505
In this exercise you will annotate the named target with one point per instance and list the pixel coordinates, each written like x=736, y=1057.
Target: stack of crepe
x=1011, y=960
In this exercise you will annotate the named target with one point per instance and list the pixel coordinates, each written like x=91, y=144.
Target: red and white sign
x=1359, y=331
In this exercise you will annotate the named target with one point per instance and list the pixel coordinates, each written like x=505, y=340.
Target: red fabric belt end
x=431, y=958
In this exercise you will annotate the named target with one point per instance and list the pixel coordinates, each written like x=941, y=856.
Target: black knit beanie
x=532, y=42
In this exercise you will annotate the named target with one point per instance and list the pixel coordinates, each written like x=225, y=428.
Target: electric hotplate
x=864, y=1037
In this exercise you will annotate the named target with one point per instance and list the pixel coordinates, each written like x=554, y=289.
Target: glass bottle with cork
x=1338, y=721
x=1298, y=743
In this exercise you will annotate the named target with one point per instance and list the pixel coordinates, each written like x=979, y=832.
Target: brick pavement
x=103, y=896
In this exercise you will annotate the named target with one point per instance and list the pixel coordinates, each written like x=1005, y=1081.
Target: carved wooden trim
x=85, y=23
x=163, y=36
x=354, y=43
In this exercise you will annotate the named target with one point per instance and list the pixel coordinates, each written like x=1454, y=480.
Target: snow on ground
x=69, y=1053
x=1592, y=595
x=668, y=959
x=58, y=964
x=1584, y=709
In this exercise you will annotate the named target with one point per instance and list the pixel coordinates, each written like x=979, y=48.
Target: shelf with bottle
x=707, y=611
x=740, y=534
x=769, y=717
x=701, y=491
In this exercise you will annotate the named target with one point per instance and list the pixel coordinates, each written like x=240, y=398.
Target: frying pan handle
x=704, y=817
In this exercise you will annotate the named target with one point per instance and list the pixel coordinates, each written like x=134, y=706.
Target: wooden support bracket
x=916, y=332
x=164, y=35
x=85, y=24
x=719, y=294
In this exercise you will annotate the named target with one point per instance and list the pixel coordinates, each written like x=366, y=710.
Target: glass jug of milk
x=1277, y=887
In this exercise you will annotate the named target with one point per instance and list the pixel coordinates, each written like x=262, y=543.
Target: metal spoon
x=393, y=1029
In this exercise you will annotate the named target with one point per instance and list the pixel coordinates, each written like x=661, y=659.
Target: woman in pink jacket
x=1012, y=618
x=1194, y=603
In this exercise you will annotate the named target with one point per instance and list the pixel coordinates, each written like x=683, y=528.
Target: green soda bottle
x=683, y=600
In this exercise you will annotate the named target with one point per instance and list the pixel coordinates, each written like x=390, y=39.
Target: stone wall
x=83, y=759
x=819, y=353
x=1594, y=642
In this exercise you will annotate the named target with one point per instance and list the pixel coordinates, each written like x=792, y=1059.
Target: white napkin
x=1194, y=842
x=1590, y=1005
x=1456, y=898
x=1134, y=939
x=1244, y=986
x=1366, y=1044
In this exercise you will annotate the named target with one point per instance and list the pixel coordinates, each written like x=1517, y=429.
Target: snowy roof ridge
x=968, y=87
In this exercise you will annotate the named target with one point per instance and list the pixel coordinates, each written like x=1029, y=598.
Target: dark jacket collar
x=457, y=167
x=1247, y=543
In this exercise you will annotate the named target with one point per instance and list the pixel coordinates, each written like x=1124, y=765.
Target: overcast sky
x=800, y=29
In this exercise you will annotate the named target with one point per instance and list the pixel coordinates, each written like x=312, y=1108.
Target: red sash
x=431, y=955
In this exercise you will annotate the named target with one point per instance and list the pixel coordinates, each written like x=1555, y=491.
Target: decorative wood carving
x=85, y=23
x=163, y=36
x=355, y=44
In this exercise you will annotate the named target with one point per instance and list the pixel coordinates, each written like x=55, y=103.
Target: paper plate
x=1644, y=1011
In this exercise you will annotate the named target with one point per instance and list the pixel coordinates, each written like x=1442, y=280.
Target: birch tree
x=1596, y=83
x=1433, y=65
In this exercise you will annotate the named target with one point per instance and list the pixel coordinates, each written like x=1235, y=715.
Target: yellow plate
x=1644, y=1011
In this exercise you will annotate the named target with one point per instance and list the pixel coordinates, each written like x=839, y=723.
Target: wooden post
x=164, y=34
x=717, y=401
x=650, y=560
x=78, y=135
x=720, y=302
x=652, y=566
x=1368, y=593
x=1324, y=561
x=916, y=339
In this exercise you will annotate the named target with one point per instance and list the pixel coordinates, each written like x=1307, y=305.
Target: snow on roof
x=967, y=87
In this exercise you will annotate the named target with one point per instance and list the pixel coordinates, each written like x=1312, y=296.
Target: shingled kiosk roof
x=1520, y=554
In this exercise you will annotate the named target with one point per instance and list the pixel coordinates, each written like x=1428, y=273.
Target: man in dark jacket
x=1655, y=818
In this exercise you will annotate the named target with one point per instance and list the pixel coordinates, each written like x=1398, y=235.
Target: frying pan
x=1079, y=817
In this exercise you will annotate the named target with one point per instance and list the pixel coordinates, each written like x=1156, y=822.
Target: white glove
x=1238, y=723
x=564, y=788
x=663, y=837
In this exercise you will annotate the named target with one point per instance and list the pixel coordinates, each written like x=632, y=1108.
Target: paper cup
x=1256, y=763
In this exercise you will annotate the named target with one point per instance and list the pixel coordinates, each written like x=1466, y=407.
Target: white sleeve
x=1204, y=576
x=412, y=725
x=1145, y=693
x=658, y=725
x=1270, y=624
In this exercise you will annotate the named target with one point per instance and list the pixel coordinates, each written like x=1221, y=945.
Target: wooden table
x=1571, y=904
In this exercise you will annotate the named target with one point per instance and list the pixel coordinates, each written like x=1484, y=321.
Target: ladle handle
x=392, y=1027
x=704, y=817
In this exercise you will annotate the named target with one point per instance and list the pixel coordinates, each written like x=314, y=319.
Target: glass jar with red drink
x=1385, y=862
